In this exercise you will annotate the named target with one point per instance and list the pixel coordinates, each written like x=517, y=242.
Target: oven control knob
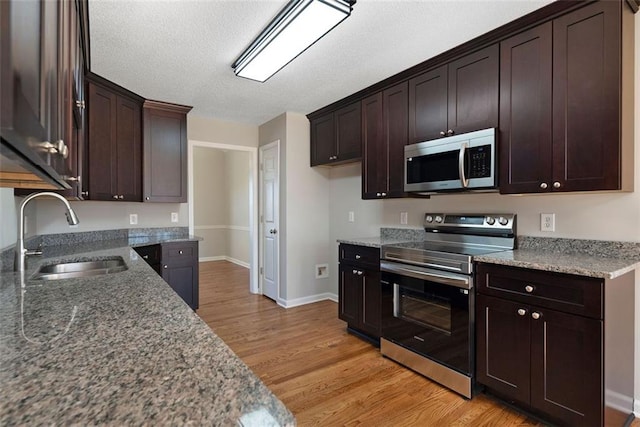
x=428, y=218
x=438, y=218
x=503, y=221
x=490, y=220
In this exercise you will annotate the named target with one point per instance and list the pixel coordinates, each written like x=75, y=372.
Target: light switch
x=174, y=216
x=403, y=218
x=352, y=216
x=133, y=219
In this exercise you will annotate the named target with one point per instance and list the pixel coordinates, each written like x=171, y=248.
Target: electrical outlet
x=322, y=271
x=352, y=216
x=547, y=222
x=133, y=219
x=174, y=216
x=403, y=218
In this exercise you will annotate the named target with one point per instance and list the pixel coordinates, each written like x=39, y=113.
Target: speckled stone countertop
x=118, y=349
x=590, y=258
x=579, y=264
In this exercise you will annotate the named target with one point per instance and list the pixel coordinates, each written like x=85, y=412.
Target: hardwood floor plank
x=324, y=375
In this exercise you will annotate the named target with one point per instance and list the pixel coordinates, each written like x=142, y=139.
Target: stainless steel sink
x=70, y=270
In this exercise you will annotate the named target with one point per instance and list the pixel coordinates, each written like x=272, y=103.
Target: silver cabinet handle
x=442, y=133
x=115, y=196
x=358, y=257
x=360, y=272
x=450, y=132
x=121, y=197
x=543, y=185
x=522, y=311
x=528, y=288
x=383, y=194
x=536, y=315
x=377, y=194
x=72, y=178
x=85, y=193
x=556, y=184
x=180, y=252
x=166, y=266
x=145, y=256
x=147, y=198
x=354, y=271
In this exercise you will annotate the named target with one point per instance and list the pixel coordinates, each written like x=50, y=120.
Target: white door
x=269, y=224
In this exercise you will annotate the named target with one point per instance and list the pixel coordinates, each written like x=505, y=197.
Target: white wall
x=8, y=218
x=304, y=211
x=220, y=131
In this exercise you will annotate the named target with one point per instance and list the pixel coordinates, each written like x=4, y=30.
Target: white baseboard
x=307, y=300
x=224, y=258
x=620, y=401
x=636, y=408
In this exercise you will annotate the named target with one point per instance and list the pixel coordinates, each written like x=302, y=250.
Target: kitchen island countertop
x=118, y=349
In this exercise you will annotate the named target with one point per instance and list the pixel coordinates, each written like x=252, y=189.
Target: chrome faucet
x=21, y=251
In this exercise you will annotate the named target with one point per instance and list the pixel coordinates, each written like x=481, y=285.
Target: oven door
x=429, y=312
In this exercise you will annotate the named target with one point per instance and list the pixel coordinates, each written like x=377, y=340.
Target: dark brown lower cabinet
x=360, y=293
x=177, y=263
x=540, y=343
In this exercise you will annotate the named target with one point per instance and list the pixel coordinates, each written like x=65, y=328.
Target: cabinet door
x=371, y=317
x=181, y=280
x=348, y=124
x=102, y=148
x=374, y=161
x=525, y=111
x=473, y=91
x=323, y=140
x=586, y=98
x=395, y=119
x=350, y=295
x=567, y=367
x=129, y=150
x=165, y=156
x=503, y=347
x=428, y=105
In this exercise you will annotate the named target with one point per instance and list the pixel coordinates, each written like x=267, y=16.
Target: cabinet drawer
x=360, y=255
x=151, y=254
x=179, y=254
x=562, y=292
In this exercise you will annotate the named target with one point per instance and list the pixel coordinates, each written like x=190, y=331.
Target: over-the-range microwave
x=455, y=163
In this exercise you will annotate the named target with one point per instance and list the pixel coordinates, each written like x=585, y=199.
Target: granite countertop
x=590, y=258
x=570, y=263
x=118, y=349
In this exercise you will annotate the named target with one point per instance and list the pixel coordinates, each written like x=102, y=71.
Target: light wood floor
x=324, y=375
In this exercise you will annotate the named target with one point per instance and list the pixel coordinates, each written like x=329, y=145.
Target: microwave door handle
x=463, y=179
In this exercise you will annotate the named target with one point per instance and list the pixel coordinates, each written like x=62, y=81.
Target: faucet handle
x=32, y=252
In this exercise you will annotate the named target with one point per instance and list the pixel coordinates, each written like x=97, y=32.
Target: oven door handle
x=445, y=279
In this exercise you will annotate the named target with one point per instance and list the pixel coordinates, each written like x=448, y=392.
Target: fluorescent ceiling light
x=299, y=25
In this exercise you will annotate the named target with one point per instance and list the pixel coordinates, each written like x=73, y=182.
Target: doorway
x=226, y=189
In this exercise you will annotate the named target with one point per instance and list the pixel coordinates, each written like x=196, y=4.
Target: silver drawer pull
x=536, y=315
x=522, y=311
x=358, y=257
x=528, y=288
x=180, y=252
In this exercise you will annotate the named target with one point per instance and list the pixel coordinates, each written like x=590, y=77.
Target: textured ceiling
x=182, y=51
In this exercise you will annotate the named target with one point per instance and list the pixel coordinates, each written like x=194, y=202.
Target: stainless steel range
x=428, y=296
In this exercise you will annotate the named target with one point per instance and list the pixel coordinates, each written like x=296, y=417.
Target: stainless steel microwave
x=456, y=163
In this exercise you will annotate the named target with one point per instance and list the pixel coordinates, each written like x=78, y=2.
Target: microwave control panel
x=479, y=159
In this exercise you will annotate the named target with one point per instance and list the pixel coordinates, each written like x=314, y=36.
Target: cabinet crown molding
x=167, y=106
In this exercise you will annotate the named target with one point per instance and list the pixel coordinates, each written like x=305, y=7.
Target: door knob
x=543, y=185
x=556, y=184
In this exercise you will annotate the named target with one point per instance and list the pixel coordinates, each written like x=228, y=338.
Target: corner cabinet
x=461, y=96
x=114, y=142
x=540, y=343
x=336, y=136
x=360, y=297
x=165, y=152
x=384, y=135
x=564, y=124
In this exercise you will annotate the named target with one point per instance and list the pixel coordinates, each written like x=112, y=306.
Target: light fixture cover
x=299, y=25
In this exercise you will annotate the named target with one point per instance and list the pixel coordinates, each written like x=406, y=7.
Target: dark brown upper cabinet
x=36, y=41
x=461, y=96
x=114, y=142
x=384, y=135
x=564, y=125
x=336, y=136
x=165, y=152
